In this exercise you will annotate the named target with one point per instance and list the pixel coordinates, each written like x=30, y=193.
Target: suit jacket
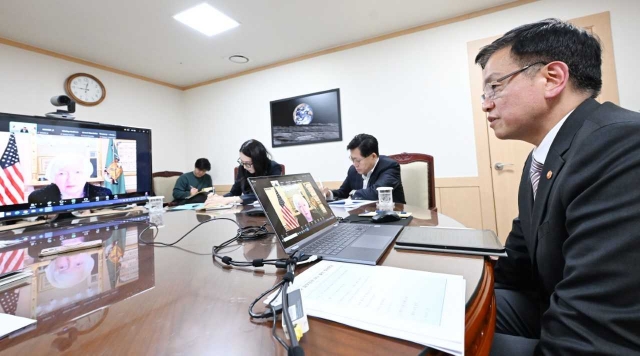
x=385, y=174
x=51, y=193
x=577, y=247
x=241, y=187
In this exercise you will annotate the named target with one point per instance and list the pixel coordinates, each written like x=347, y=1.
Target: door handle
x=500, y=166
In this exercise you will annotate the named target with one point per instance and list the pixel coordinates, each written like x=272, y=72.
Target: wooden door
x=507, y=157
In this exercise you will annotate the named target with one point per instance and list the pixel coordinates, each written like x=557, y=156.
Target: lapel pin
x=549, y=175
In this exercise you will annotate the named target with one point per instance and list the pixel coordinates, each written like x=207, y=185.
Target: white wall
x=411, y=92
x=28, y=80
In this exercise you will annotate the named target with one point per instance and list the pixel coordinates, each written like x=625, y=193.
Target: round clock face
x=85, y=89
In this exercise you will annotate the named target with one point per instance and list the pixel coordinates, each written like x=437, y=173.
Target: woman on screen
x=68, y=271
x=303, y=208
x=68, y=175
x=254, y=161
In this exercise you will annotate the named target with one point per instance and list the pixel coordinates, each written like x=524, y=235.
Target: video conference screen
x=51, y=166
x=293, y=205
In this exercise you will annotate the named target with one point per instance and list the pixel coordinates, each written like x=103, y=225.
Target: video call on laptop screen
x=49, y=165
x=294, y=206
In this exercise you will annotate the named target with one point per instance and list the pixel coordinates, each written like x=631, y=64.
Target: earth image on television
x=303, y=114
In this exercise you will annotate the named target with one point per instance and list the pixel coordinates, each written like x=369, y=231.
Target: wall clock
x=85, y=89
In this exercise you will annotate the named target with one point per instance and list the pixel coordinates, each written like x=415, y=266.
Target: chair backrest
x=163, y=183
x=418, y=179
x=235, y=171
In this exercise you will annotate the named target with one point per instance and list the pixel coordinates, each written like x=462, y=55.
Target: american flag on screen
x=11, y=261
x=289, y=219
x=9, y=301
x=11, y=177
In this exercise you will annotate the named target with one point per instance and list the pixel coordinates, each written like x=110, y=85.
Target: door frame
x=601, y=21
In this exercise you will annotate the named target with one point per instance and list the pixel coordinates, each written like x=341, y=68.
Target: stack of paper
x=351, y=204
x=422, y=307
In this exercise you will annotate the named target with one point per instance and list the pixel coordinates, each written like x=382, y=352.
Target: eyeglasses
x=490, y=91
x=245, y=164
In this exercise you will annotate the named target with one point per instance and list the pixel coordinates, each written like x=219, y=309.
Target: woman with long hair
x=254, y=161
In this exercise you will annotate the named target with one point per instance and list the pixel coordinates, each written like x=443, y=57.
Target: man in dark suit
x=368, y=172
x=571, y=282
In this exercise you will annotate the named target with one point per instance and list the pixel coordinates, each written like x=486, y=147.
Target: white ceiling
x=141, y=36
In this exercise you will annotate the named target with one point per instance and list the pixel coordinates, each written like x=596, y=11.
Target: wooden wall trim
x=447, y=182
x=428, y=26
x=46, y=52
x=222, y=189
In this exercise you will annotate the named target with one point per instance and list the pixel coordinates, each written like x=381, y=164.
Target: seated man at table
x=191, y=183
x=569, y=285
x=368, y=172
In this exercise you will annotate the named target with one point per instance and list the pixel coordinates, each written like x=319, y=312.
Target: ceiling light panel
x=206, y=19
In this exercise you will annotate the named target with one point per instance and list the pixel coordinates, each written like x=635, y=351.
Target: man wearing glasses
x=571, y=282
x=368, y=172
x=190, y=184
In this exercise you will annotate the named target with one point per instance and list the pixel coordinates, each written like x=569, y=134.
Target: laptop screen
x=294, y=206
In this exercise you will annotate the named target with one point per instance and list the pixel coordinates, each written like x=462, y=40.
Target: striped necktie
x=534, y=173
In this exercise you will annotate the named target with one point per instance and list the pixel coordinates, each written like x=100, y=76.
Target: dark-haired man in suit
x=368, y=172
x=570, y=283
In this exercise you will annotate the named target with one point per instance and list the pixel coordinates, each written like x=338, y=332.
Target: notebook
x=453, y=240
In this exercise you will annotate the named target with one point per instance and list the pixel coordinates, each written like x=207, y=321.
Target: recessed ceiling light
x=236, y=58
x=206, y=19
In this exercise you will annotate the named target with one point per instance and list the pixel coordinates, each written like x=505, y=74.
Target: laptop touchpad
x=371, y=241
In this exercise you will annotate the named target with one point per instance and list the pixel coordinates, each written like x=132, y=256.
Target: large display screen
x=51, y=166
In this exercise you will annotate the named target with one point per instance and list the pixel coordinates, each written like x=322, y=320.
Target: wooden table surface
x=181, y=301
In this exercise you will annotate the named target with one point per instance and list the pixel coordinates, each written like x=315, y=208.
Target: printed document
x=422, y=307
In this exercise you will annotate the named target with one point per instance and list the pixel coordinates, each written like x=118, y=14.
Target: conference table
x=179, y=300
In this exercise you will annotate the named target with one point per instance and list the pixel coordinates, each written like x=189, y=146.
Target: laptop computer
x=303, y=221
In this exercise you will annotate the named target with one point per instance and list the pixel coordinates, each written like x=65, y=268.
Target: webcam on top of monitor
x=63, y=100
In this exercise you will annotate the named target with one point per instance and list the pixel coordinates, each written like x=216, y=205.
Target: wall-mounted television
x=306, y=119
x=51, y=166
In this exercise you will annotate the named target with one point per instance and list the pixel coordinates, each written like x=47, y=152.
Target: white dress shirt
x=540, y=153
x=366, y=177
x=365, y=181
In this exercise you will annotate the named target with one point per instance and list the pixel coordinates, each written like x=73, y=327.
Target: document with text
x=422, y=307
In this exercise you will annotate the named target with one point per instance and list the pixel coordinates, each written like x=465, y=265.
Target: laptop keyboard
x=336, y=240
